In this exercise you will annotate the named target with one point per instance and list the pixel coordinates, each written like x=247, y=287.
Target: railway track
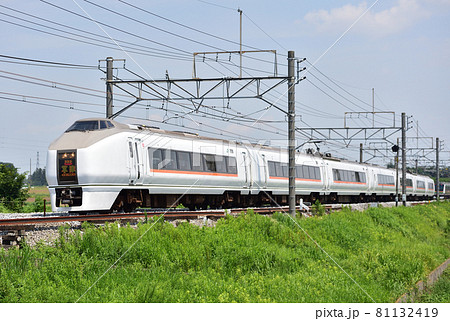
x=14, y=230
x=125, y=216
x=173, y=214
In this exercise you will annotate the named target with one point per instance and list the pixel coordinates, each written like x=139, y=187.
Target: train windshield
x=89, y=125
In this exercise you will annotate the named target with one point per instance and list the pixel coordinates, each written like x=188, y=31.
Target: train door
x=326, y=178
x=246, y=164
x=265, y=171
x=135, y=161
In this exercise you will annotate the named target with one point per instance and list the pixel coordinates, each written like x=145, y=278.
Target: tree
x=12, y=194
x=38, y=178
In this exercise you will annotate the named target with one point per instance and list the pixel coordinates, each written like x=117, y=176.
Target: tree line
x=13, y=185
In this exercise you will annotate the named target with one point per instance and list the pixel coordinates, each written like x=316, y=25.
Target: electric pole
x=291, y=131
x=360, y=152
x=396, y=173
x=240, y=43
x=404, y=159
x=109, y=87
x=437, y=168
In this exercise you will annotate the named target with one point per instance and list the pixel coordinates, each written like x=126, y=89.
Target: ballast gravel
x=47, y=234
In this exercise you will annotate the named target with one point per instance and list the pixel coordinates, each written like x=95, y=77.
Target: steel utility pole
x=404, y=159
x=360, y=152
x=437, y=168
x=109, y=87
x=396, y=173
x=291, y=131
x=240, y=43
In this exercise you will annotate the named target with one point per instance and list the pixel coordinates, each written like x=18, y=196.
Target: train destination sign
x=67, y=167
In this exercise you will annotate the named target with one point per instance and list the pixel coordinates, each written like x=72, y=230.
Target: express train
x=103, y=165
x=444, y=190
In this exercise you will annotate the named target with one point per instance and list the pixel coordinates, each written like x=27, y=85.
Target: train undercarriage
x=130, y=199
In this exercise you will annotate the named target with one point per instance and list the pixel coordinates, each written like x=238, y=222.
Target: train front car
x=86, y=166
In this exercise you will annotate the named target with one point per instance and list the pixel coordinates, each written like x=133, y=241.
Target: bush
x=12, y=193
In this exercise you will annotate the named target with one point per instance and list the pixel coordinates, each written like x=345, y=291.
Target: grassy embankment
x=250, y=258
x=439, y=292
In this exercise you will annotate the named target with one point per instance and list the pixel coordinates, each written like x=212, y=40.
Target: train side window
x=311, y=172
x=169, y=159
x=221, y=165
x=299, y=171
x=336, y=175
x=197, y=162
x=156, y=158
x=317, y=172
x=352, y=176
x=271, y=168
x=278, y=170
x=284, y=168
x=232, y=165
x=360, y=177
x=184, y=161
x=344, y=176
x=103, y=124
x=209, y=162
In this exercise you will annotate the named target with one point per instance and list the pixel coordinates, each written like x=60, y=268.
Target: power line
x=50, y=62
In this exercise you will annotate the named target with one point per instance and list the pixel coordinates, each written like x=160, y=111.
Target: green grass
x=250, y=258
x=439, y=292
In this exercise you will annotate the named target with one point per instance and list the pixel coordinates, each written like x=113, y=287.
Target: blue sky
x=401, y=48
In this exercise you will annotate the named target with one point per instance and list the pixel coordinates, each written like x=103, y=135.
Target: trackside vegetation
x=249, y=258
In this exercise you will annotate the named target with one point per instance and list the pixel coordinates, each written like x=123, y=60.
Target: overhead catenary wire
x=45, y=62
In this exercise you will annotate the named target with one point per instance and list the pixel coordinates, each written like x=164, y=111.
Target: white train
x=102, y=165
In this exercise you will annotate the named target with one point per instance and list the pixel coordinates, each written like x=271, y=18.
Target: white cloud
x=399, y=17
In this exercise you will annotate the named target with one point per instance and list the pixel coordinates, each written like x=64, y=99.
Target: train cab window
x=430, y=186
x=421, y=184
x=89, y=125
x=184, y=161
x=82, y=126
